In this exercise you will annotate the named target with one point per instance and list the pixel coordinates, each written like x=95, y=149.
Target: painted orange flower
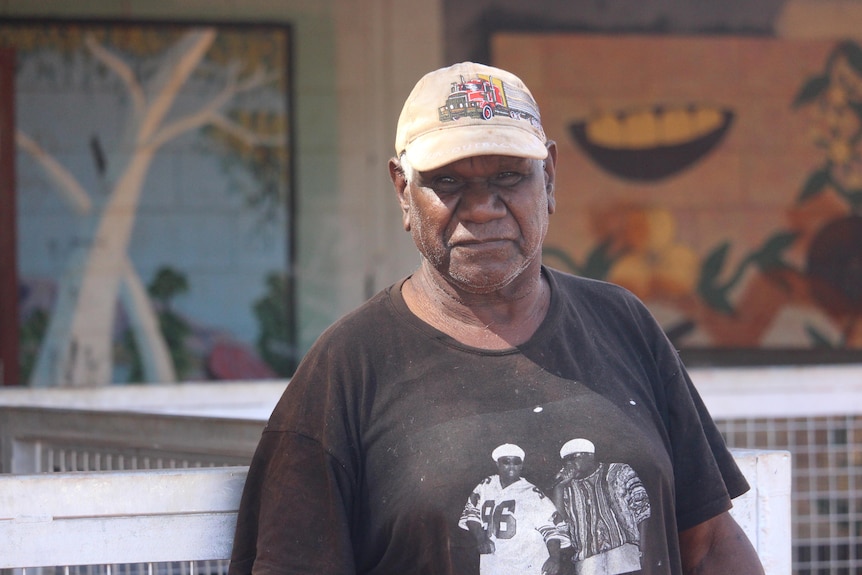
x=653, y=265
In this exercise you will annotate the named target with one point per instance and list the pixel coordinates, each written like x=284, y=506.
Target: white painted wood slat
x=157, y=491
x=118, y=517
x=101, y=540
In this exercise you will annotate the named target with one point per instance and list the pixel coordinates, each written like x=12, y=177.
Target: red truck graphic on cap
x=486, y=97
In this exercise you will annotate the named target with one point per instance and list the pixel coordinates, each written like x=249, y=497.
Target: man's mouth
x=490, y=242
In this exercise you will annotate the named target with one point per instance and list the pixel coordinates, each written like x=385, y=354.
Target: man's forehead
x=490, y=162
x=578, y=455
x=510, y=459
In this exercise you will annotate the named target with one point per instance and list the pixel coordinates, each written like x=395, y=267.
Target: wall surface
x=355, y=61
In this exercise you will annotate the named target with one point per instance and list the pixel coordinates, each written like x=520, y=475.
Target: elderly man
x=363, y=464
x=517, y=529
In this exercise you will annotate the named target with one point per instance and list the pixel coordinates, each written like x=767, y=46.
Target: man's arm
x=295, y=513
x=564, y=478
x=718, y=546
x=483, y=541
x=554, y=563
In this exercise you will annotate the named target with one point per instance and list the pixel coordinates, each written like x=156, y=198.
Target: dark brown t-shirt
x=388, y=425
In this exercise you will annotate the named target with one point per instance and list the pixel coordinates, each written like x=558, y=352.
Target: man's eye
x=508, y=178
x=445, y=184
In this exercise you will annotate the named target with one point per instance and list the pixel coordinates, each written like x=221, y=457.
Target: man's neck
x=500, y=319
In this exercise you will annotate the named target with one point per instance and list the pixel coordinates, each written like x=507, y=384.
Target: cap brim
x=446, y=145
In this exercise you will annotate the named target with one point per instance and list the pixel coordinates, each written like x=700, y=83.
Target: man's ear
x=399, y=181
x=551, y=175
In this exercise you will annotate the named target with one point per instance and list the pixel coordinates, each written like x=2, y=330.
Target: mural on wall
x=718, y=178
x=153, y=184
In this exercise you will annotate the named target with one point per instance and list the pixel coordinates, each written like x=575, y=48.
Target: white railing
x=111, y=518
x=160, y=516
x=244, y=400
x=729, y=392
x=780, y=391
x=49, y=439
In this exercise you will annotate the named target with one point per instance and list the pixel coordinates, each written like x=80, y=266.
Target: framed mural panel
x=719, y=178
x=154, y=192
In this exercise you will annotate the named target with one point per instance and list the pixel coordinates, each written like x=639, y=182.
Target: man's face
x=480, y=222
x=509, y=469
x=581, y=464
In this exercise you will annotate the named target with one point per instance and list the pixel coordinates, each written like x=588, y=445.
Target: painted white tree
x=77, y=348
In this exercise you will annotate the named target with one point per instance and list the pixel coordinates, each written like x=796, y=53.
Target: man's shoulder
x=489, y=481
x=569, y=280
x=526, y=485
x=588, y=289
x=599, y=304
x=374, y=313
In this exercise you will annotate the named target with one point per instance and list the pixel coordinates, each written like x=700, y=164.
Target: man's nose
x=480, y=202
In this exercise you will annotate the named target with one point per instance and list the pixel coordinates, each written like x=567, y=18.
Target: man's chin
x=480, y=285
x=485, y=280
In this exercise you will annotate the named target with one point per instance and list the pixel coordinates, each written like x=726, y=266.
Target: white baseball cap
x=507, y=450
x=467, y=110
x=577, y=446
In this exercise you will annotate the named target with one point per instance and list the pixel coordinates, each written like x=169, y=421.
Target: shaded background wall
x=354, y=62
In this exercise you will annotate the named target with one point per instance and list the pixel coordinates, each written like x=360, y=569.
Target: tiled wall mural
x=719, y=178
x=153, y=182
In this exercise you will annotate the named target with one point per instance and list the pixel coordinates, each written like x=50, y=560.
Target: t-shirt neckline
x=548, y=324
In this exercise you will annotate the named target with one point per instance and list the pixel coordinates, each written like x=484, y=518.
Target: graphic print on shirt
x=434, y=459
x=605, y=506
x=514, y=524
x=591, y=523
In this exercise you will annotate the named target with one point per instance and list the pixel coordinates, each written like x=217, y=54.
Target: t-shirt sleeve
x=291, y=477
x=473, y=507
x=297, y=510
x=705, y=474
x=706, y=477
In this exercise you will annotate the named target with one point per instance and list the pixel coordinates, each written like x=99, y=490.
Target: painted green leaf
x=853, y=53
x=712, y=293
x=167, y=284
x=568, y=264
x=599, y=262
x=811, y=90
x=717, y=300
x=713, y=265
x=680, y=330
x=274, y=340
x=854, y=197
x=818, y=339
x=814, y=185
x=770, y=254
